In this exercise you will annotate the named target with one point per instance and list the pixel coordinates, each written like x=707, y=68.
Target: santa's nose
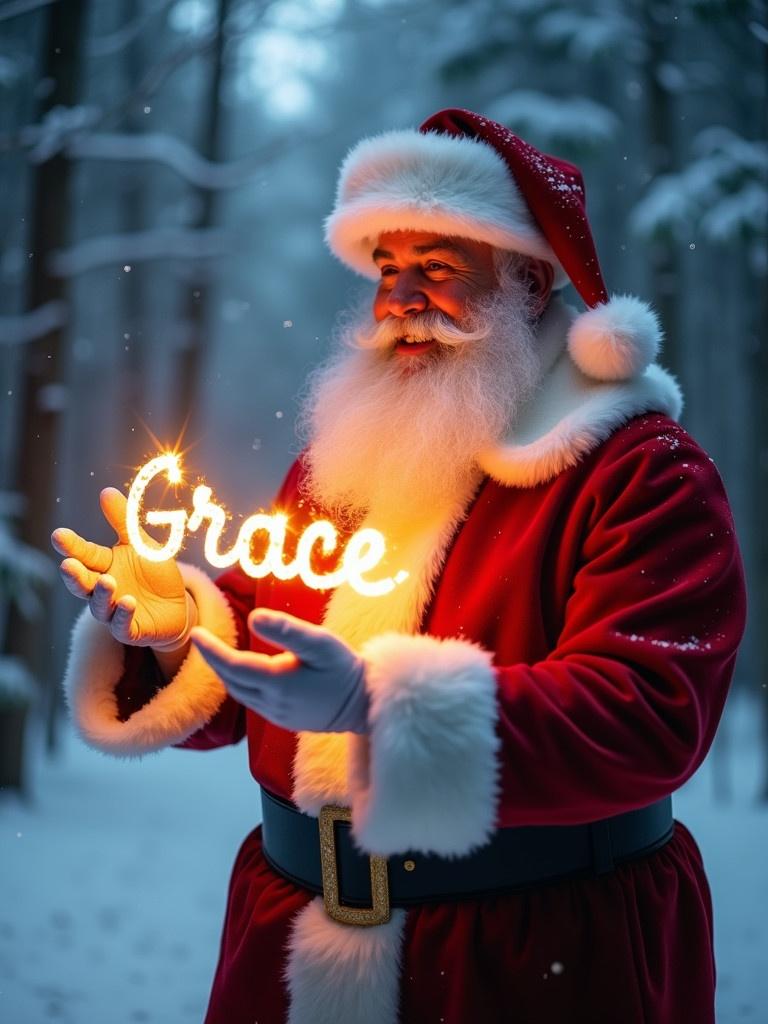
x=406, y=298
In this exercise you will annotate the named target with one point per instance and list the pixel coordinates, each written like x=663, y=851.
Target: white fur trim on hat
x=189, y=701
x=340, y=973
x=429, y=181
x=616, y=340
x=425, y=777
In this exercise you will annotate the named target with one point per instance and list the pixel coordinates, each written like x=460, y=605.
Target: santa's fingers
x=231, y=676
x=102, y=600
x=77, y=579
x=313, y=644
x=245, y=668
x=249, y=696
x=113, y=504
x=124, y=628
x=94, y=556
x=253, y=687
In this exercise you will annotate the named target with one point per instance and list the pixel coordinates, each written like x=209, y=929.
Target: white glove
x=317, y=684
x=144, y=603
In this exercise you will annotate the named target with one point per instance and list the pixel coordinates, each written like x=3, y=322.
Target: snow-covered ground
x=113, y=881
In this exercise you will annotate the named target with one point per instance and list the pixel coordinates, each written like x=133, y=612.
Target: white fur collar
x=571, y=413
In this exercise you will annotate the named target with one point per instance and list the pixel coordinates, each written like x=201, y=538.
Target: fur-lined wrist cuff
x=425, y=778
x=191, y=698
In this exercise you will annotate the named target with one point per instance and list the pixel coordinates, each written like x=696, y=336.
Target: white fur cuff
x=188, y=702
x=425, y=778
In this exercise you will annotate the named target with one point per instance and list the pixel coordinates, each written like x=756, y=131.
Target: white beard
x=393, y=434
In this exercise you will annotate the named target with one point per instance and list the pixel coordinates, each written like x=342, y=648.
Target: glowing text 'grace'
x=364, y=551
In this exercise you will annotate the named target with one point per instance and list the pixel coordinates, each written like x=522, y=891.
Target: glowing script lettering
x=364, y=551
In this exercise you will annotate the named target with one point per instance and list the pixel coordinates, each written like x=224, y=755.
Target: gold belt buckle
x=378, y=912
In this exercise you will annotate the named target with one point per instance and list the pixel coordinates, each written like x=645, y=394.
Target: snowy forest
x=165, y=168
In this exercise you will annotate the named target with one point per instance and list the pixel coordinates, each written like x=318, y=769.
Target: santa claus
x=465, y=783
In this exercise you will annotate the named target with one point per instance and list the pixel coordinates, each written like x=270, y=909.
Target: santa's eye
x=388, y=271
x=435, y=265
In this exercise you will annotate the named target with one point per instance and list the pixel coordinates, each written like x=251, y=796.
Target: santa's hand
x=143, y=603
x=316, y=684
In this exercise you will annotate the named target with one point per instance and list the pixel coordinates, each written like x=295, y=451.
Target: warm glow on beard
x=395, y=434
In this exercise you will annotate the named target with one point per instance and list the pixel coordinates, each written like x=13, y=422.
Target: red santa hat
x=464, y=175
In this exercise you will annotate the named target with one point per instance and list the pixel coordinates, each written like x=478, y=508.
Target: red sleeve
x=625, y=707
x=228, y=724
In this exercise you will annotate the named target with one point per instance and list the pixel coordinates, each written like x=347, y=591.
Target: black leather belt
x=325, y=859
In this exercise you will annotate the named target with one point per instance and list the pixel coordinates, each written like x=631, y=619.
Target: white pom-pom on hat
x=615, y=340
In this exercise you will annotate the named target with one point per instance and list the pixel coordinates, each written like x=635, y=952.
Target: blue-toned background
x=165, y=167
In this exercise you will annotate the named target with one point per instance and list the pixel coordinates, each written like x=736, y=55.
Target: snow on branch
x=61, y=124
x=159, y=147
x=16, y=330
x=53, y=133
x=140, y=247
x=575, y=121
x=585, y=36
x=722, y=193
x=70, y=130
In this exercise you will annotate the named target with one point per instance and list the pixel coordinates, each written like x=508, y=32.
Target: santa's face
x=396, y=419
x=421, y=272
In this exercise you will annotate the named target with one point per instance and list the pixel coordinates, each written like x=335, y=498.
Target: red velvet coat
x=612, y=599
x=600, y=606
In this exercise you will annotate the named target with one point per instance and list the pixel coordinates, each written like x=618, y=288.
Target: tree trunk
x=43, y=400
x=196, y=305
x=133, y=312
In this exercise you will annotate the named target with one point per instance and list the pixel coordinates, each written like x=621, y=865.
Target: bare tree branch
x=161, y=148
x=146, y=88
x=174, y=153
x=15, y=330
x=17, y=7
x=112, y=42
x=158, y=74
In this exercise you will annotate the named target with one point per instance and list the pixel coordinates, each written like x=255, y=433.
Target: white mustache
x=426, y=326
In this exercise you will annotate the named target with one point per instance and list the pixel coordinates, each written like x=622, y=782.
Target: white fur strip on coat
x=432, y=718
x=342, y=974
x=189, y=701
